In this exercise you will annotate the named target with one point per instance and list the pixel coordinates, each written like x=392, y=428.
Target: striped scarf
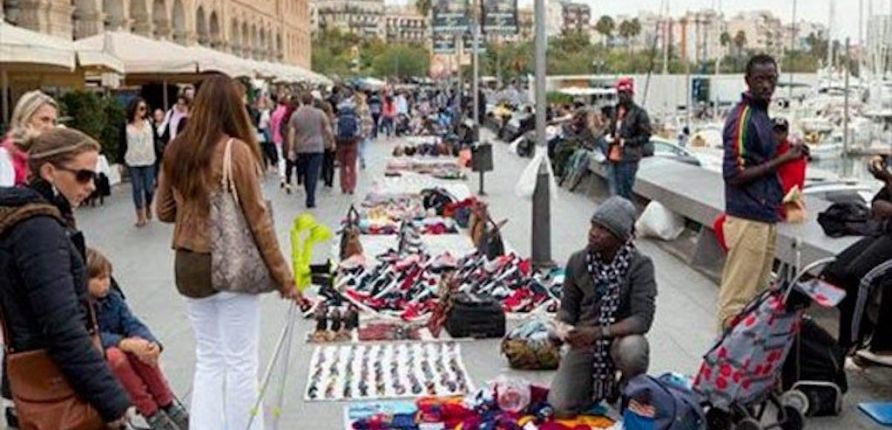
x=608, y=278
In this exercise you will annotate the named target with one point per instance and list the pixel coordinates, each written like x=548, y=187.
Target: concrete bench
x=698, y=195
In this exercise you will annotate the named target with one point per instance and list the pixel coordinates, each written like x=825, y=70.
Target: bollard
x=541, y=246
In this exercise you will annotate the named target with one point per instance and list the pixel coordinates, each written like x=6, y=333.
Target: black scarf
x=607, y=278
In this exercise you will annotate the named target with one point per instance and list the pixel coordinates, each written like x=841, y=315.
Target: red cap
x=625, y=84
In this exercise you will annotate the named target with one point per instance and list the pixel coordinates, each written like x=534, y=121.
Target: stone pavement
x=682, y=332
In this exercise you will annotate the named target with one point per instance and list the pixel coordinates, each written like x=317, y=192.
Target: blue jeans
x=310, y=165
x=621, y=178
x=143, y=180
x=387, y=126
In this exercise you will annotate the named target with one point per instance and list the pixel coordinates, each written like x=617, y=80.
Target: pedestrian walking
x=43, y=289
x=309, y=127
x=289, y=156
x=34, y=113
x=136, y=153
x=226, y=324
x=629, y=132
x=375, y=108
x=175, y=118
x=388, y=112
x=348, y=132
x=753, y=193
x=367, y=126
x=329, y=151
x=264, y=134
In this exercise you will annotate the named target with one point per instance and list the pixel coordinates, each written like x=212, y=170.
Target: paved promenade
x=683, y=329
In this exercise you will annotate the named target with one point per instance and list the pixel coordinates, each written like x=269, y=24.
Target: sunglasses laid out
x=81, y=175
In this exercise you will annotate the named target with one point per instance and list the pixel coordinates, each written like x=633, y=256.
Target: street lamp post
x=541, y=235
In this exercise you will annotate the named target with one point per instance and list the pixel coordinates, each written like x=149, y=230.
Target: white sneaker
x=873, y=357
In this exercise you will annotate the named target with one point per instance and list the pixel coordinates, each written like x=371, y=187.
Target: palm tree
x=625, y=31
x=605, y=26
x=725, y=39
x=740, y=42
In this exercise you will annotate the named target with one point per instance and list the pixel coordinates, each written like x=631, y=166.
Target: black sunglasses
x=81, y=175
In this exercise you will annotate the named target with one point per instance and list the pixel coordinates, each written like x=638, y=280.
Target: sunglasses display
x=392, y=370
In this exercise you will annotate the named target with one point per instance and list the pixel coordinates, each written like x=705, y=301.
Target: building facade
x=576, y=17
x=762, y=30
x=406, y=25
x=274, y=30
x=361, y=17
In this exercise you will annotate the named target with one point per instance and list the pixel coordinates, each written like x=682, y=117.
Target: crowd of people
x=62, y=309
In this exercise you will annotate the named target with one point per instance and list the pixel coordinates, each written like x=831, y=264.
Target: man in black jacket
x=629, y=132
x=609, y=299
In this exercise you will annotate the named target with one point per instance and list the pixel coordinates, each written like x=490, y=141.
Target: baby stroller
x=739, y=377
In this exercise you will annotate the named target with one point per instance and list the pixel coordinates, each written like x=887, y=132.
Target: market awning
x=22, y=46
x=141, y=55
x=209, y=59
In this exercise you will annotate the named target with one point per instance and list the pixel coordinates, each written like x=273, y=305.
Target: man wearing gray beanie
x=609, y=297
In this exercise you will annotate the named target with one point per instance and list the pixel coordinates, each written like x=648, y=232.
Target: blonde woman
x=368, y=125
x=34, y=114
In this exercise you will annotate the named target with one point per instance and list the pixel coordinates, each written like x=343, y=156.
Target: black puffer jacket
x=43, y=293
x=635, y=132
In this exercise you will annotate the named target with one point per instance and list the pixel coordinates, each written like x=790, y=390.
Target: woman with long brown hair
x=226, y=324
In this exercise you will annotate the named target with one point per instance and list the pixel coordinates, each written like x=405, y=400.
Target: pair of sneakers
x=173, y=417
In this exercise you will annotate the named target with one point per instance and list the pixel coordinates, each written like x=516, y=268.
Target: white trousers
x=225, y=387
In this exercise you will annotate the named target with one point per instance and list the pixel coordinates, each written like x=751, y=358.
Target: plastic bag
x=512, y=395
x=659, y=222
x=526, y=185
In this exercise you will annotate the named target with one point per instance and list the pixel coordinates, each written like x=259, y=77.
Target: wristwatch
x=605, y=332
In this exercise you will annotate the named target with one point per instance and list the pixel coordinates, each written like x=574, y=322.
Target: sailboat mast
x=830, y=33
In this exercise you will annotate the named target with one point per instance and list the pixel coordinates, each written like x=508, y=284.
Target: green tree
x=628, y=30
x=740, y=42
x=402, y=61
x=605, y=26
x=725, y=41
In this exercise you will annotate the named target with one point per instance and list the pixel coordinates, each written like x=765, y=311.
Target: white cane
x=286, y=333
x=284, y=364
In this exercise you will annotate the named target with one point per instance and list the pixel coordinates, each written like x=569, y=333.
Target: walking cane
x=284, y=339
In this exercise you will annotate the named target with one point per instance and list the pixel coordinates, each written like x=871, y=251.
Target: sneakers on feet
x=177, y=413
x=160, y=421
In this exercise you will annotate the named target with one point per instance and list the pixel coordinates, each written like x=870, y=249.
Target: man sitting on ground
x=609, y=299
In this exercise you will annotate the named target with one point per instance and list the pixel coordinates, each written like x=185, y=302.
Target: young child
x=132, y=351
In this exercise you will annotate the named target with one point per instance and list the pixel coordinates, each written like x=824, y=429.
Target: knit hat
x=616, y=214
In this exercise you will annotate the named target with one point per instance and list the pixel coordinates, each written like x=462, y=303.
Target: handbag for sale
x=478, y=318
x=350, y=243
x=236, y=263
x=43, y=397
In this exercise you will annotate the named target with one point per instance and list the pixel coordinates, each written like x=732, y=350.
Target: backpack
x=673, y=405
x=849, y=219
x=815, y=367
x=348, y=124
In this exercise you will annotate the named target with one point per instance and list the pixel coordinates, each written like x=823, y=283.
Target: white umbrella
x=19, y=45
x=142, y=55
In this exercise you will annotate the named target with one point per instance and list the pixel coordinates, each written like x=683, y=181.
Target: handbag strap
x=227, y=183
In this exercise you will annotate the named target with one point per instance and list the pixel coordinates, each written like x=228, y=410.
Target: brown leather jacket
x=191, y=218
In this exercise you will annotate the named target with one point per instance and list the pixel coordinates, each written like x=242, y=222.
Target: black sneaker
x=12, y=420
x=160, y=421
x=177, y=413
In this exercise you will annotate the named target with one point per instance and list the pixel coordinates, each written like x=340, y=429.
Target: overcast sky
x=845, y=20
